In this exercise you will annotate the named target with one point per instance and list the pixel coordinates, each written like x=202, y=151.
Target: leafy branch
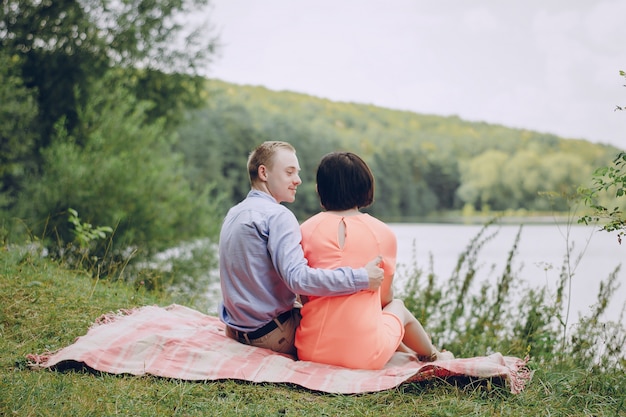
x=604, y=179
x=85, y=233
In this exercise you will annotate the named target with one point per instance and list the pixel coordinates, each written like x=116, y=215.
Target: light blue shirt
x=262, y=265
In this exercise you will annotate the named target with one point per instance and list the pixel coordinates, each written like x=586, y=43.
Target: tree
x=401, y=188
x=216, y=142
x=562, y=174
x=481, y=181
x=442, y=177
x=524, y=178
x=18, y=113
x=63, y=46
x=124, y=175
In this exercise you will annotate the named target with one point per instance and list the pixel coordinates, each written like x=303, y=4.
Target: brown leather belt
x=241, y=336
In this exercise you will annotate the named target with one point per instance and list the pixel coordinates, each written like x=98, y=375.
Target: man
x=262, y=265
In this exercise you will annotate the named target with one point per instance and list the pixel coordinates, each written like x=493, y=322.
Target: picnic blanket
x=182, y=343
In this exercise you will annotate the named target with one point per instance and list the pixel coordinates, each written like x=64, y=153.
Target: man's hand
x=375, y=273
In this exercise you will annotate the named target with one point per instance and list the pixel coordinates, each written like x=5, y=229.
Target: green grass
x=44, y=306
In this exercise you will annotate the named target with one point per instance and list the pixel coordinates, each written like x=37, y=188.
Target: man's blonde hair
x=264, y=155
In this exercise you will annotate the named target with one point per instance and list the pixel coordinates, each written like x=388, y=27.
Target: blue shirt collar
x=261, y=194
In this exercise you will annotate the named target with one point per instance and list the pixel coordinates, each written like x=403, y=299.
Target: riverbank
x=44, y=307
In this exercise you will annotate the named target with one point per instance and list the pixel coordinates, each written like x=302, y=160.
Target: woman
x=361, y=330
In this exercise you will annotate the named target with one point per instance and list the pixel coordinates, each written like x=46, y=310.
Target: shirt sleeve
x=284, y=245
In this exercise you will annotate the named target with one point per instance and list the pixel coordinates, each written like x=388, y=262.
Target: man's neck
x=263, y=188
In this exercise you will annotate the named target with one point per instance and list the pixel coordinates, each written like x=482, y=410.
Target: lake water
x=539, y=258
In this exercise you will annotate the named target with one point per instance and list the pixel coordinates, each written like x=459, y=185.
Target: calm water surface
x=539, y=258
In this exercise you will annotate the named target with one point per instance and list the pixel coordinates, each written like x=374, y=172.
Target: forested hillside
x=424, y=164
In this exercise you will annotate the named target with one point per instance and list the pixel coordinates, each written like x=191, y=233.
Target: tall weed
x=506, y=315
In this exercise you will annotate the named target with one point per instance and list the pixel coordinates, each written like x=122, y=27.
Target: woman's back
x=350, y=331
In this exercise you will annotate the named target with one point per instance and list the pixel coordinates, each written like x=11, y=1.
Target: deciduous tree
x=62, y=46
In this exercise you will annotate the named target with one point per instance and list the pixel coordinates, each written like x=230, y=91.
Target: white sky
x=545, y=65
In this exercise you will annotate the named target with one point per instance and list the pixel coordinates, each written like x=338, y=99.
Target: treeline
x=91, y=94
x=423, y=164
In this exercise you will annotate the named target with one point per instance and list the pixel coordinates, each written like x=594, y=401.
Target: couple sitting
x=349, y=317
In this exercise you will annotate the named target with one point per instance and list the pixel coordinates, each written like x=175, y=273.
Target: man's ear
x=262, y=172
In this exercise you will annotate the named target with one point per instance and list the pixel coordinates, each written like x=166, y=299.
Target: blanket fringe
x=112, y=316
x=521, y=375
x=38, y=361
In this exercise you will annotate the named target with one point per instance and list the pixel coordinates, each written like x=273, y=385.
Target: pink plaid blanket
x=178, y=342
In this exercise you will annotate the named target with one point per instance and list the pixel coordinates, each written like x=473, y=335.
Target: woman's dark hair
x=344, y=181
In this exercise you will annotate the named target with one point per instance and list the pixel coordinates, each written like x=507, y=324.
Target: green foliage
x=473, y=319
x=394, y=200
x=53, y=56
x=18, y=114
x=58, y=50
x=80, y=253
x=122, y=174
x=423, y=164
x=85, y=233
x=215, y=145
x=84, y=39
x=481, y=179
x=91, y=91
x=610, y=178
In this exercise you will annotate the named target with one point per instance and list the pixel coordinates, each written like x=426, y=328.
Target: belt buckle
x=242, y=337
x=238, y=335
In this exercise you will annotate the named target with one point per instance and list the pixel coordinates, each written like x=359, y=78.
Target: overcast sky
x=545, y=65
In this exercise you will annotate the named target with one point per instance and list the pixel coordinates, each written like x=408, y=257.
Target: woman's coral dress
x=350, y=331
